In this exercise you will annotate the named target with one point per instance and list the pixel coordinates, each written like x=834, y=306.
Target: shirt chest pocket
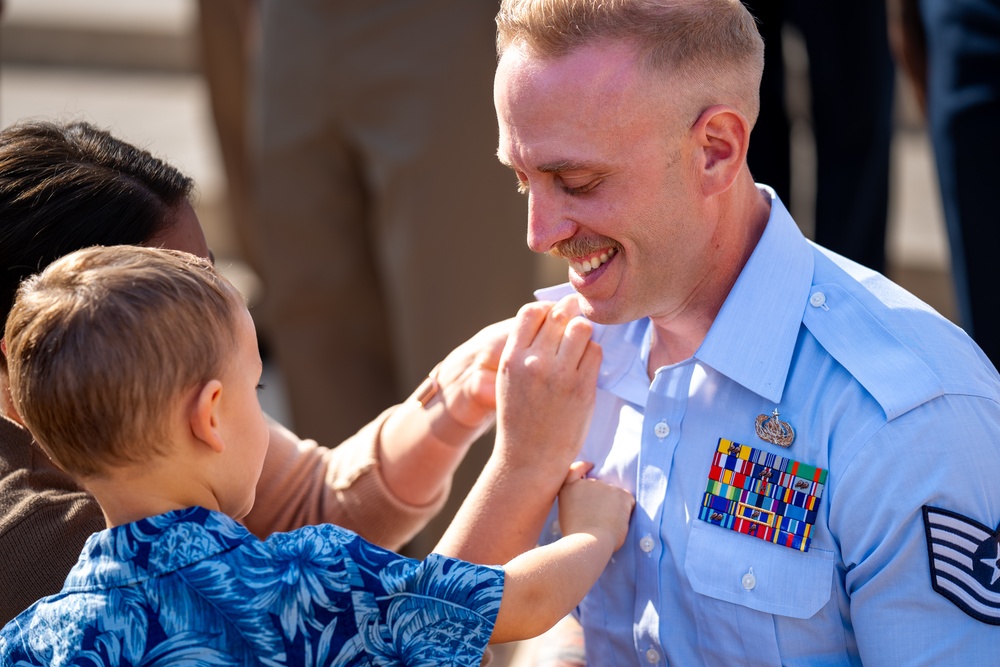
x=768, y=584
x=728, y=566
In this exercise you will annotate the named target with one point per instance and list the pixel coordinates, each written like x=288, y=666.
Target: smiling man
x=812, y=449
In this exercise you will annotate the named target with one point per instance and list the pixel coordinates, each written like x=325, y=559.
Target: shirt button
x=817, y=300
x=749, y=581
x=652, y=656
x=661, y=430
x=646, y=543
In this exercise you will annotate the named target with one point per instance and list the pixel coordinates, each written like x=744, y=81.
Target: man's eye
x=580, y=189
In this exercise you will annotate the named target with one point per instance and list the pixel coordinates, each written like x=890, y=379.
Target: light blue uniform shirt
x=897, y=405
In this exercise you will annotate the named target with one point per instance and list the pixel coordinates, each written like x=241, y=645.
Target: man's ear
x=723, y=135
x=204, y=416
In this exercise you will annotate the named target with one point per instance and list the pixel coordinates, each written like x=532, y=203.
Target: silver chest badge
x=773, y=430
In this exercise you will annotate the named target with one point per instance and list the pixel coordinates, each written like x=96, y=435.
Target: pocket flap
x=784, y=581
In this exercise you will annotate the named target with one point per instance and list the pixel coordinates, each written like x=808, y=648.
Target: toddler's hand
x=592, y=506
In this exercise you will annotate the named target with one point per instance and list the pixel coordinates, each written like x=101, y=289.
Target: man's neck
x=674, y=342
x=675, y=339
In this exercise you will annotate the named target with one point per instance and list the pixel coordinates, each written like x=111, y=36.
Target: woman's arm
x=428, y=435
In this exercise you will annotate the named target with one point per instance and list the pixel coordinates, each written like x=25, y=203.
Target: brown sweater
x=45, y=517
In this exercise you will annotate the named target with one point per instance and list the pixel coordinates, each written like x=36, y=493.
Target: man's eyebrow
x=557, y=167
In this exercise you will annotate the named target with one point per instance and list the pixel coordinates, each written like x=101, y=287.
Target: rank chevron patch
x=965, y=562
x=763, y=495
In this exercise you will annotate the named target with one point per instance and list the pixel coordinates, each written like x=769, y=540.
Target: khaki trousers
x=389, y=232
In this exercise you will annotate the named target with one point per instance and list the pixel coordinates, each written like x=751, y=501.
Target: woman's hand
x=466, y=378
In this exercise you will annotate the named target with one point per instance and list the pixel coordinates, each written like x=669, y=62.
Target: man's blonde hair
x=713, y=45
x=103, y=343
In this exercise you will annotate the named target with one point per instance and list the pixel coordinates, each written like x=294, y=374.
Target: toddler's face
x=245, y=428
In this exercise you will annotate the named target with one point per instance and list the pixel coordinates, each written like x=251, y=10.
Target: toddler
x=137, y=371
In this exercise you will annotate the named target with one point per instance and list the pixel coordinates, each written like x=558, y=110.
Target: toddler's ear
x=204, y=415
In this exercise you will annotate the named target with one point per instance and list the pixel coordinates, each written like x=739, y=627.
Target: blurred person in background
x=950, y=50
x=228, y=38
x=388, y=232
x=851, y=80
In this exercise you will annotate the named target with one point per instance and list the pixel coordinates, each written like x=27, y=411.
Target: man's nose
x=547, y=225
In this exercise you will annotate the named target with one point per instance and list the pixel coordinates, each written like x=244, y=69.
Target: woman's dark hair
x=64, y=187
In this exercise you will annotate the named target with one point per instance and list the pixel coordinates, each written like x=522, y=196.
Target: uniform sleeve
x=923, y=594
x=303, y=483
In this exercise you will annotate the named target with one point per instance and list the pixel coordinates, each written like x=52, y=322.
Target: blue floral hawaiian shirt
x=194, y=587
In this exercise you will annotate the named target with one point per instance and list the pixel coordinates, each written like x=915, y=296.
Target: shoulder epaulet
x=896, y=376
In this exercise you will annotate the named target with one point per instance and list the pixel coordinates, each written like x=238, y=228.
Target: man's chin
x=600, y=312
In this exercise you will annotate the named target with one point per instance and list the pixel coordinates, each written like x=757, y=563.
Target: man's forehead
x=558, y=113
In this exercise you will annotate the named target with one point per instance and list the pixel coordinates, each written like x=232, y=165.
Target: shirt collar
x=154, y=546
x=752, y=339
x=623, y=372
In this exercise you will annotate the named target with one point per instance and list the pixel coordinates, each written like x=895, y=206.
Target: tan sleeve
x=40, y=543
x=45, y=519
x=304, y=483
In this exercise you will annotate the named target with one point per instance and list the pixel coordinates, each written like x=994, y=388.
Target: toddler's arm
x=541, y=586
